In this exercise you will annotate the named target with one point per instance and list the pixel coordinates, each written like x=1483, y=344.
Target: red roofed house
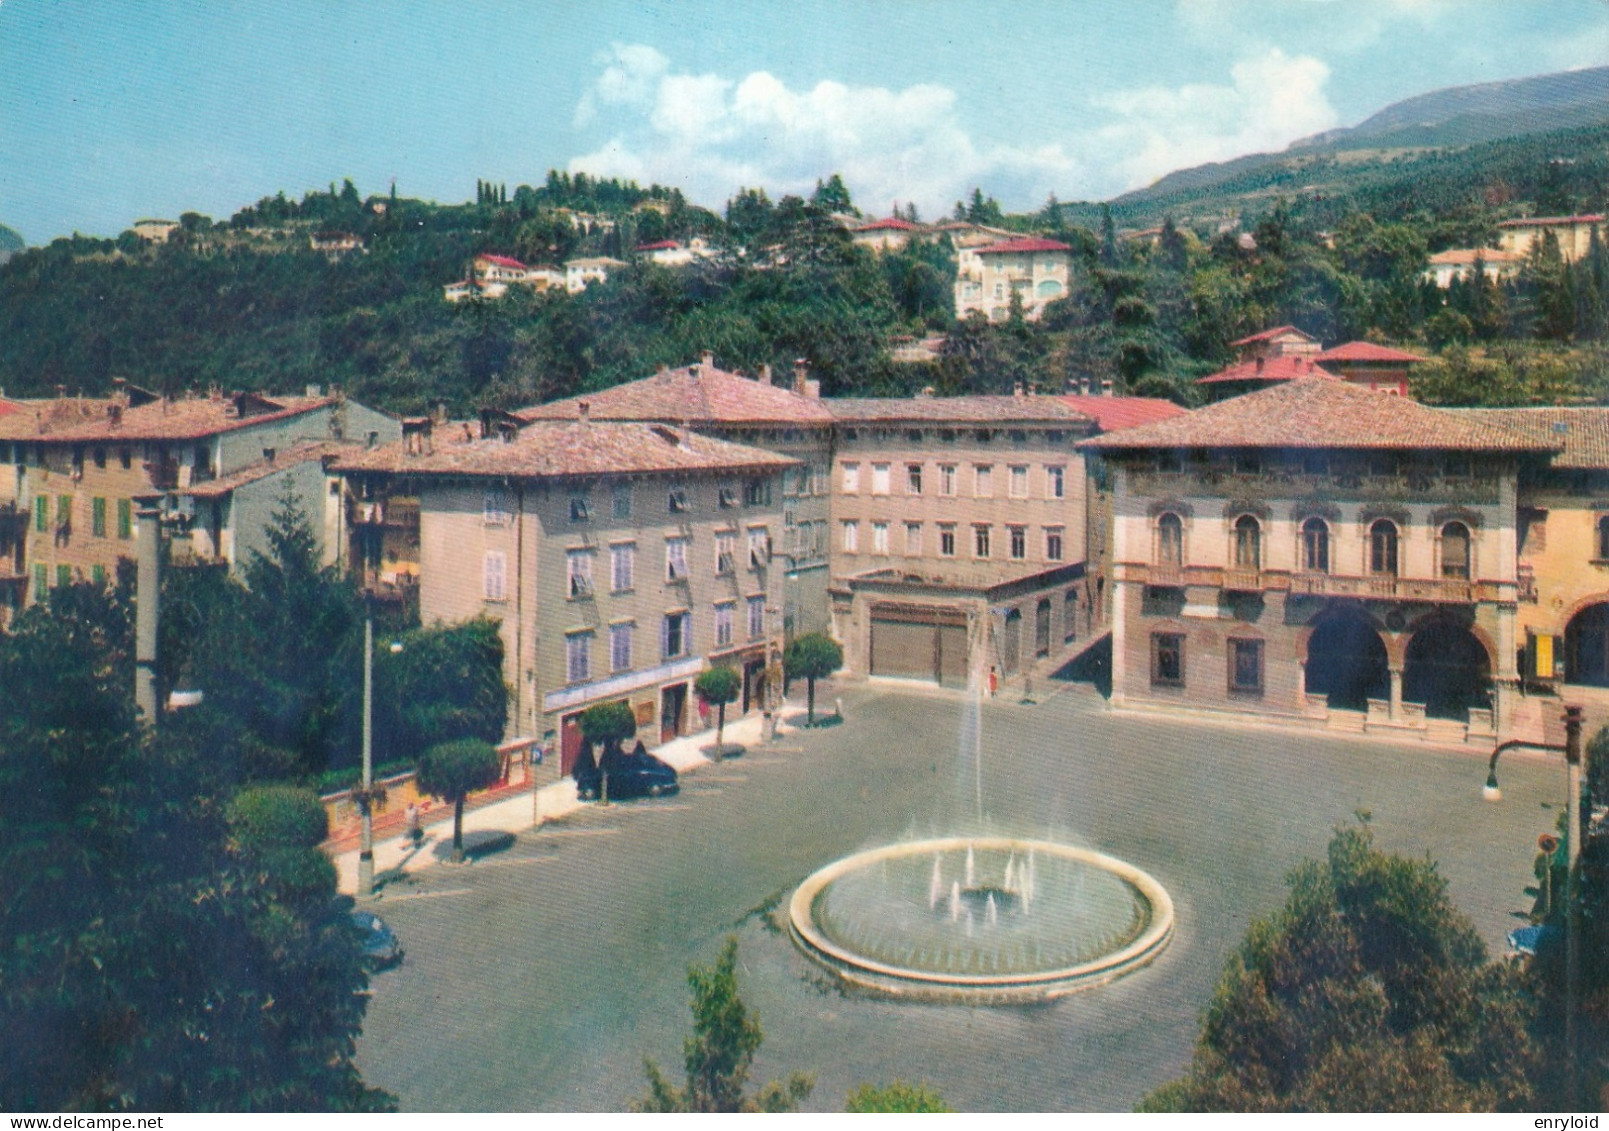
x=1287, y=354
x=894, y=233
x=1323, y=555
x=669, y=253
x=1380, y=368
x=1036, y=271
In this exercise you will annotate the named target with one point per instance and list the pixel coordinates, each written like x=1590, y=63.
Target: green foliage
x=899, y=1096
x=446, y=683
x=149, y=963
x=810, y=657
x=454, y=770
x=720, y=1052
x=1368, y=991
x=608, y=723
x=277, y=816
x=719, y=685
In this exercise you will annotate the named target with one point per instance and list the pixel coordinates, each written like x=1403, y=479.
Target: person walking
x=416, y=832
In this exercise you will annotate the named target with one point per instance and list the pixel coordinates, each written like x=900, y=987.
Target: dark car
x=380, y=947
x=638, y=774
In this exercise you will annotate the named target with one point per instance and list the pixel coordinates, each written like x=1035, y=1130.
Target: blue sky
x=114, y=110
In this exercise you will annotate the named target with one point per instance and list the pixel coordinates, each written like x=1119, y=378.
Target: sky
x=114, y=110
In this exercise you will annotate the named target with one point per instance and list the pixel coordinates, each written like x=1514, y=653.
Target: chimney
x=1260, y=363
x=583, y=411
x=441, y=412
x=801, y=371
x=765, y=374
x=707, y=359
x=662, y=370
x=315, y=390
x=1016, y=389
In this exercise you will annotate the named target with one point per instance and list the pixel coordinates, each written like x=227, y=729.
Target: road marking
x=427, y=895
x=722, y=777
x=557, y=833
x=666, y=808
x=515, y=861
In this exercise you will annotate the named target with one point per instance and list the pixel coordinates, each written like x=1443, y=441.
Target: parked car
x=638, y=774
x=380, y=946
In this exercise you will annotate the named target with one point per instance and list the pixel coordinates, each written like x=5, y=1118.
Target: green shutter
x=64, y=510
x=98, y=573
x=125, y=518
x=41, y=514
x=97, y=518
x=39, y=582
x=64, y=575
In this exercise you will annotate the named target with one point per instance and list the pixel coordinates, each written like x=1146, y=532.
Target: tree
x=1368, y=991
x=719, y=686
x=720, y=1052
x=446, y=683
x=896, y=1097
x=810, y=657
x=454, y=770
x=608, y=725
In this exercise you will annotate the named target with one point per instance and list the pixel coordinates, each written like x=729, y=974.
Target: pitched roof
x=1467, y=255
x=299, y=453
x=1582, y=431
x=1114, y=413
x=569, y=450
x=503, y=261
x=1322, y=414
x=658, y=245
x=895, y=223
x=1268, y=335
x=187, y=418
x=1027, y=243
x=690, y=394
x=1367, y=352
x=956, y=410
x=1548, y=221
x=1285, y=368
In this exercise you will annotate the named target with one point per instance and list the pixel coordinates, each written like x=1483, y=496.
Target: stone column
x=1396, y=692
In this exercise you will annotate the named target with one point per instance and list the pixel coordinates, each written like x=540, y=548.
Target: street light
x=365, y=797
x=1575, y=829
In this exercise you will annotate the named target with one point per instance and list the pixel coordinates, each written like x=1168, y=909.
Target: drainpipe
x=148, y=581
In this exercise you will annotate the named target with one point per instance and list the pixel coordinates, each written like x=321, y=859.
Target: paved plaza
x=540, y=976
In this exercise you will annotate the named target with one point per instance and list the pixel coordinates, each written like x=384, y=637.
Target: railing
x=1242, y=580
x=1361, y=486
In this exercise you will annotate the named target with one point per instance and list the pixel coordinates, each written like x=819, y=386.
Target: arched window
x=1170, y=539
x=1248, y=543
x=1383, y=547
x=1316, y=546
x=1455, y=550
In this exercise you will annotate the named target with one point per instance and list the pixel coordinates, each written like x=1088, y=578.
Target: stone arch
x=1347, y=662
x=1448, y=667
x=1586, y=643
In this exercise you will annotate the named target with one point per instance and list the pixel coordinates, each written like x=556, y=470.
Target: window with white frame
x=851, y=543
x=675, y=634
x=756, y=617
x=677, y=500
x=946, y=539
x=947, y=479
x=495, y=507
x=494, y=575
x=1019, y=542
x=578, y=571
x=913, y=539
x=879, y=537
x=980, y=541
x=913, y=479
x=676, y=559
x=622, y=566
x=759, y=547
x=1053, y=543
x=983, y=480
x=757, y=492
x=723, y=624
x=578, y=657
x=620, y=641
x=1055, y=481
x=725, y=552
x=580, y=507
x=880, y=479
x=851, y=480
x=1018, y=484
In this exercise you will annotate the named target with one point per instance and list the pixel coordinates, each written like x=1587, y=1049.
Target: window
x=1017, y=486
x=1170, y=539
x=756, y=617
x=723, y=624
x=1248, y=543
x=578, y=571
x=1316, y=546
x=676, y=559
x=1053, y=543
x=494, y=570
x=578, y=657
x=64, y=511
x=946, y=539
x=64, y=576
x=126, y=458
x=495, y=508
x=759, y=547
x=913, y=539
x=620, y=640
x=913, y=479
x=622, y=565
x=41, y=585
x=97, y=517
x=675, y=635
x=947, y=479
x=1069, y=616
x=1055, y=482
x=125, y=519
x=983, y=481
x=97, y=574
x=1167, y=659
x=851, y=543
x=727, y=497
x=41, y=514
x=676, y=501
x=1603, y=537
x=725, y=552
x=880, y=479
x=1455, y=551
x=757, y=492
x=1246, y=667
x=1019, y=542
x=1383, y=548
x=620, y=500
x=580, y=508
x=851, y=478
x=980, y=541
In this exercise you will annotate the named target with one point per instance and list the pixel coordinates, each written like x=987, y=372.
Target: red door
x=569, y=742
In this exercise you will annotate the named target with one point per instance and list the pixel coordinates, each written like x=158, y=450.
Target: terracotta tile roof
x=1466, y=256
x=503, y=261
x=1267, y=335
x=1322, y=414
x=1285, y=368
x=1367, y=352
x=689, y=394
x=1114, y=413
x=569, y=450
x=1017, y=246
x=1545, y=221
x=1582, y=432
x=187, y=418
x=299, y=453
x=657, y=245
x=956, y=410
x=894, y=223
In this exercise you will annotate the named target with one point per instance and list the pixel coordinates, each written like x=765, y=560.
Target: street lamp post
x=1575, y=830
x=366, y=790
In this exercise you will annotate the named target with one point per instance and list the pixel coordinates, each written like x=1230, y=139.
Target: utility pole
x=366, y=791
x=148, y=585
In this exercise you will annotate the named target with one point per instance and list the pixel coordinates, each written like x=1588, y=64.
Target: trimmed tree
x=719, y=686
x=454, y=770
x=810, y=657
x=896, y=1097
x=607, y=725
x=720, y=1052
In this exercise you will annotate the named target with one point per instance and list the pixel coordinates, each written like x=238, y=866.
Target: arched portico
x=1346, y=660
x=1448, y=668
x=1586, y=645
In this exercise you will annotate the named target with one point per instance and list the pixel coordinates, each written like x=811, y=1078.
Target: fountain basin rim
x=895, y=979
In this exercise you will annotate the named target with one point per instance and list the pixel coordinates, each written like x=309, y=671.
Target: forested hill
x=10, y=241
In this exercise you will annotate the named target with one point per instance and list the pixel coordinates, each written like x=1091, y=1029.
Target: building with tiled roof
x=1375, y=367
x=1323, y=555
x=620, y=558
x=579, y=274
x=1114, y=413
x=1262, y=372
x=1285, y=353
x=71, y=468
x=1032, y=270
x=1572, y=234
x=889, y=233
x=1459, y=263
x=1280, y=341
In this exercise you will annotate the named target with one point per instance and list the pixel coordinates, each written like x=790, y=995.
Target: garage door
x=916, y=643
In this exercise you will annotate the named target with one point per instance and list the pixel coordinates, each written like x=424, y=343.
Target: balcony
x=1442, y=590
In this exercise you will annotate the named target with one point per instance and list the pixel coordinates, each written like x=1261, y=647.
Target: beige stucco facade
x=987, y=278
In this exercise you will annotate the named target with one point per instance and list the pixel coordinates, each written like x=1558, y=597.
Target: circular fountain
x=980, y=918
